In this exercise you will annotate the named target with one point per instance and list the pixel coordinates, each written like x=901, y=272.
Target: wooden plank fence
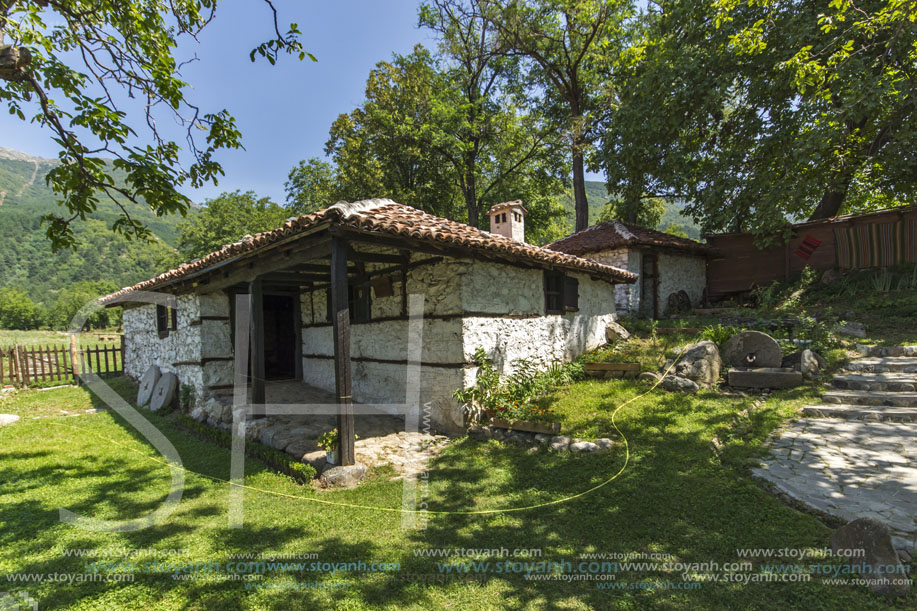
x=22, y=366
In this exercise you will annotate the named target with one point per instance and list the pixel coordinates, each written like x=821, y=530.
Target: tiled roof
x=506, y=206
x=618, y=234
x=384, y=217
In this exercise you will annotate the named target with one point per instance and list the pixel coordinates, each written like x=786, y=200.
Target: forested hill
x=597, y=196
x=26, y=260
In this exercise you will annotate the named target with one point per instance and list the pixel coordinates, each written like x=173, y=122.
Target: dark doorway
x=649, y=286
x=280, y=337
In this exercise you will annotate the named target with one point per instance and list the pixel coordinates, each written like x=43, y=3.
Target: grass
x=9, y=338
x=678, y=495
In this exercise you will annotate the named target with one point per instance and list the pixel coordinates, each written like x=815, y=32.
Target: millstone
x=147, y=384
x=164, y=391
x=752, y=349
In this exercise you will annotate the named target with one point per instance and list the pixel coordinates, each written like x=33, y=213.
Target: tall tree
x=433, y=135
x=768, y=112
x=382, y=148
x=227, y=218
x=68, y=63
x=495, y=149
x=566, y=41
x=311, y=185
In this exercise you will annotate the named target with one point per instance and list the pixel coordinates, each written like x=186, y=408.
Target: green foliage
x=75, y=61
x=311, y=185
x=440, y=135
x=272, y=457
x=79, y=295
x=648, y=214
x=765, y=113
x=328, y=441
x=228, y=218
x=718, y=334
x=186, y=397
x=515, y=396
x=19, y=312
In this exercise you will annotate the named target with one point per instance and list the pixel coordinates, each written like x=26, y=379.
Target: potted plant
x=329, y=441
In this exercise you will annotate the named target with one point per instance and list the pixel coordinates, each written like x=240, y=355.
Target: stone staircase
x=855, y=455
x=877, y=387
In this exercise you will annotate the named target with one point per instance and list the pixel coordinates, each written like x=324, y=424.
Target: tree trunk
x=832, y=200
x=581, y=205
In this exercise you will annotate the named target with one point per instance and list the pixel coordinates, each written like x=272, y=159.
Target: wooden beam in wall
x=256, y=294
x=343, y=379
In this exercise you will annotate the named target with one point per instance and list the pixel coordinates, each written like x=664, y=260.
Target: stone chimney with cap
x=508, y=219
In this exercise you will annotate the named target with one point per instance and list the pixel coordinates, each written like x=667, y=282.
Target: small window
x=162, y=320
x=561, y=293
x=358, y=302
x=503, y=218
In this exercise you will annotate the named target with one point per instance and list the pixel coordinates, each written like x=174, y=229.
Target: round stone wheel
x=147, y=384
x=752, y=349
x=164, y=391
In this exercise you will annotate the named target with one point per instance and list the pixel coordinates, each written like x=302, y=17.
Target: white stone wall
x=382, y=382
x=627, y=296
x=527, y=332
x=676, y=272
x=179, y=353
x=679, y=272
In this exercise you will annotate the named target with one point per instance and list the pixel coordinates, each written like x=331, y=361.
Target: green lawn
x=45, y=338
x=678, y=495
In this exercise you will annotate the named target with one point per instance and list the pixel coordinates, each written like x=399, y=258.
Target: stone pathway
x=856, y=454
x=381, y=438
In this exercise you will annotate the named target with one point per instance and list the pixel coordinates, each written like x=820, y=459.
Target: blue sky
x=284, y=111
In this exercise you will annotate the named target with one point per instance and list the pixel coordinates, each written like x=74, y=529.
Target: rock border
x=557, y=443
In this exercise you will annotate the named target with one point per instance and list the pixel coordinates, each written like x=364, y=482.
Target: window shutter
x=162, y=321
x=571, y=294
x=174, y=315
x=553, y=292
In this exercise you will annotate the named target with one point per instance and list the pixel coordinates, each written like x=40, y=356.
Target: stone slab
x=884, y=364
x=870, y=397
x=6, y=419
x=764, y=377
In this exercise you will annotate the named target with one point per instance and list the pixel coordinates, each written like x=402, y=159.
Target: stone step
x=764, y=377
x=876, y=413
x=893, y=382
x=867, y=350
x=870, y=397
x=873, y=364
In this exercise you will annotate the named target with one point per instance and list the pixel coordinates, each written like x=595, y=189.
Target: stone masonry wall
x=199, y=352
x=679, y=272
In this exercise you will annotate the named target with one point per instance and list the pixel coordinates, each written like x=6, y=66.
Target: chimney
x=508, y=219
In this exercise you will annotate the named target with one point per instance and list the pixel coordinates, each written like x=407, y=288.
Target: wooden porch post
x=341, y=329
x=256, y=294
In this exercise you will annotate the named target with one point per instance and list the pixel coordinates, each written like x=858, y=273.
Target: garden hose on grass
x=403, y=510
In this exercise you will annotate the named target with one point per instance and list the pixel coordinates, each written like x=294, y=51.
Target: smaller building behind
x=672, y=271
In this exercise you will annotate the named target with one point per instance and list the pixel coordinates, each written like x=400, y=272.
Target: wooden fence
x=23, y=366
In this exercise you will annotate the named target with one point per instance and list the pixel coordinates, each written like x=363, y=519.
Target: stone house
x=671, y=271
x=328, y=297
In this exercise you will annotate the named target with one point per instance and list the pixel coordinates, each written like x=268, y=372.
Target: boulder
x=831, y=276
x=344, y=476
x=542, y=439
x=604, y=443
x=6, y=419
x=752, y=349
x=583, y=446
x=679, y=384
x=198, y=414
x=885, y=573
x=317, y=458
x=699, y=363
x=807, y=362
x=614, y=332
x=854, y=329
x=560, y=442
